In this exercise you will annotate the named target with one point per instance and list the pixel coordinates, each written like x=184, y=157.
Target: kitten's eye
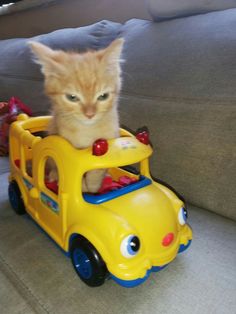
x=103, y=97
x=72, y=97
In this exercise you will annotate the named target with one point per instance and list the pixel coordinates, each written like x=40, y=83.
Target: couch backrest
x=19, y=74
x=180, y=81
x=169, y=9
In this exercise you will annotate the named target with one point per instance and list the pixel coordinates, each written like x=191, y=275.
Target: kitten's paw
x=93, y=188
x=94, y=180
x=84, y=185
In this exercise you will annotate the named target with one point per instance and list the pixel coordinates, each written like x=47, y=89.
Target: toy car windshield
x=116, y=189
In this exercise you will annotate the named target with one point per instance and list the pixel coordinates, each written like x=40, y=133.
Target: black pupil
x=103, y=97
x=135, y=244
x=185, y=213
x=72, y=97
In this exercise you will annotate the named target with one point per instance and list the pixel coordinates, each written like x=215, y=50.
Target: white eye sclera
x=182, y=216
x=130, y=246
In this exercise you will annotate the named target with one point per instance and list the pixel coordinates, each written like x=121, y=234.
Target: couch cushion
x=169, y=9
x=179, y=80
x=21, y=77
x=42, y=279
x=192, y=57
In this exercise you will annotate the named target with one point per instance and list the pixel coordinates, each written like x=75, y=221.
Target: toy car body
x=126, y=233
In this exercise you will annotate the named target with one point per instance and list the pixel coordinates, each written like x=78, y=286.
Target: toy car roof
x=122, y=151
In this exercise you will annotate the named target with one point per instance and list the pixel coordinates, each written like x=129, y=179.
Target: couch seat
x=36, y=277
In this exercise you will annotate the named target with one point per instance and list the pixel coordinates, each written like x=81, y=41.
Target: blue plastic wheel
x=87, y=262
x=15, y=198
x=82, y=263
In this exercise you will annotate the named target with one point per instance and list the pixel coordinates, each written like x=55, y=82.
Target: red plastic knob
x=143, y=137
x=100, y=147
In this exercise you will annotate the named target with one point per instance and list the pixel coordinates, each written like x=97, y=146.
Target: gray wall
x=69, y=13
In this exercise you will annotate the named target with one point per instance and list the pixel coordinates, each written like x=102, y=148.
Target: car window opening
x=117, y=182
x=51, y=175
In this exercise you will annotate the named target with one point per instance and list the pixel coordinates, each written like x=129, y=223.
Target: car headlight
x=130, y=246
x=182, y=215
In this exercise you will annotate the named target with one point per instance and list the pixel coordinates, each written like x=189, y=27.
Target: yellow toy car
x=126, y=233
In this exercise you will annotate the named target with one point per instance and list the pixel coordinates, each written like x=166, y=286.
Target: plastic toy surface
x=125, y=232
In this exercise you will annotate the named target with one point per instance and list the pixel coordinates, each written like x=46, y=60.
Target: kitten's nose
x=89, y=112
x=89, y=115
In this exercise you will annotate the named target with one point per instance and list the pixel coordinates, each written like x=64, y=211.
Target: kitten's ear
x=112, y=53
x=50, y=60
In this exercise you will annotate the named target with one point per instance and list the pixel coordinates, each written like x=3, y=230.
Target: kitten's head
x=82, y=86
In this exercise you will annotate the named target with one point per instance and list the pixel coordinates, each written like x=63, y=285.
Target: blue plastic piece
x=131, y=283
x=155, y=269
x=183, y=247
x=82, y=263
x=98, y=199
x=136, y=282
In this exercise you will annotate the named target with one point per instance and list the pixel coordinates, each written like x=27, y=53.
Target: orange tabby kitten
x=84, y=89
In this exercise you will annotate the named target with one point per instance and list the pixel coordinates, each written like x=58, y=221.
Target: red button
x=168, y=239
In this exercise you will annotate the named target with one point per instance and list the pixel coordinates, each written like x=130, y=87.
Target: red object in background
x=53, y=186
x=143, y=137
x=16, y=106
x=109, y=185
x=125, y=180
x=3, y=108
x=8, y=114
x=100, y=147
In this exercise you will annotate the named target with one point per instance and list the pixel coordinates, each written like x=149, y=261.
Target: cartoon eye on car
x=136, y=227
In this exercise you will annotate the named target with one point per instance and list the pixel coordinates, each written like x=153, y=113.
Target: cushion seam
x=189, y=100
x=22, y=287
x=26, y=78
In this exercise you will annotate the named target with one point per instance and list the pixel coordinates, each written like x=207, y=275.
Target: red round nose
x=168, y=239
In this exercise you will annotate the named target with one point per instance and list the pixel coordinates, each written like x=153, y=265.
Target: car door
x=49, y=209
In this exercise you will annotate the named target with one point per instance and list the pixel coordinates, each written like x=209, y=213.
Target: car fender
x=104, y=232
x=177, y=203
